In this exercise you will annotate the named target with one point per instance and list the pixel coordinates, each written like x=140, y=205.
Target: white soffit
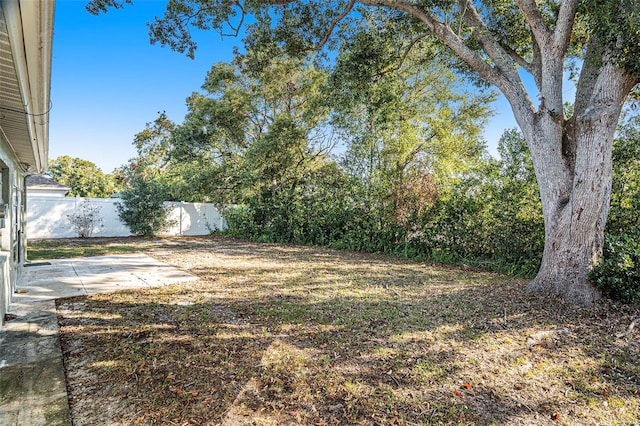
x=26, y=33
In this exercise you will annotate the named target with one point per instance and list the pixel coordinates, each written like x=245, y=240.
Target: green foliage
x=142, y=207
x=97, y=6
x=265, y=124
x=149, y=180
x=314, y=211
x=616, y=23
x=491, y=217
x=83, y=177
x=154, y=143
x=255, y=128
x=618, y=274
x=625, y=197
x=418, y=184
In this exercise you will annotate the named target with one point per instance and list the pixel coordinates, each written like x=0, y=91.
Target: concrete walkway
x=33, y=390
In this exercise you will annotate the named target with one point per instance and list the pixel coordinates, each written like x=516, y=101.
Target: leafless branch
x=236, y=29
x=629, y=328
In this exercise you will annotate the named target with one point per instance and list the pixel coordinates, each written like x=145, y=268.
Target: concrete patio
x=32, y=379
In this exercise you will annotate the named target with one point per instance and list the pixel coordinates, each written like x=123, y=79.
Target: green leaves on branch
x=616, y=23
x=142, y=207
x=625, y=197
x=618, y=274
x=83, y=177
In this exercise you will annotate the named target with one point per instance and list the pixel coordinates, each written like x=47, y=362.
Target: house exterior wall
x=12, y=225
x=48, y=217
x=26, y=35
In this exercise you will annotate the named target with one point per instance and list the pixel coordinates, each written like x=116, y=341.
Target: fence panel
x=194, y=219
x=48, y=217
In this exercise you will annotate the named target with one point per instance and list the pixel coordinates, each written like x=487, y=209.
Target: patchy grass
x=42, y=249
x=277, y=335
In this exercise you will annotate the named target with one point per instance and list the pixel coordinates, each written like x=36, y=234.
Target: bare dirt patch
x=276, y=335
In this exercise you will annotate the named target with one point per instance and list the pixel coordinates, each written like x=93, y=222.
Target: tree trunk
x=575, y=219
x=573, y=166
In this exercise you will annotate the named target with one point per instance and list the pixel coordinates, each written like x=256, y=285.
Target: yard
x=278, y=334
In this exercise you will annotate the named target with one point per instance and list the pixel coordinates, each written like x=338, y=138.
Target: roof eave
x=30, y=25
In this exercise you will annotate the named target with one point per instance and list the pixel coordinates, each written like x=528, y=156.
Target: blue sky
x=108, y=81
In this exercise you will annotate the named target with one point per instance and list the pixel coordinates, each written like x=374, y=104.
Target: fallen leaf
x=467, y=386
x=457, y=393
x=179, y=391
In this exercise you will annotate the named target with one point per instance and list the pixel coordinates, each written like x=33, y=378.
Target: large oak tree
x=500, y=41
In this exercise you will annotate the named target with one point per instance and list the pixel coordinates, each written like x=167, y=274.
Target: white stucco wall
x=11, y=229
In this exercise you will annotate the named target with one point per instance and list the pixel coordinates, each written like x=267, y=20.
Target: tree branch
x=518, y=59
x=446, y=35
x=236, y=28
x=501, y=58
x=564, y=25
x=407, y=50
x=335, y=22
x=502, y=75
x=535, y=20
x=279, y=2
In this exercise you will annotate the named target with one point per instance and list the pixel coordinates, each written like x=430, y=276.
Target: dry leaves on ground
x=276, y=335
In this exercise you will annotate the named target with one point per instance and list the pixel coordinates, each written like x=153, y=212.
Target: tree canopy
x=493, y=42
x=83, y=177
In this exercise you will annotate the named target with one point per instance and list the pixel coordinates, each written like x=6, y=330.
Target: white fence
x=47, y=217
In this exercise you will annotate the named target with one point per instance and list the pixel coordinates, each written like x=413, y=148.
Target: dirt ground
x=285, y=335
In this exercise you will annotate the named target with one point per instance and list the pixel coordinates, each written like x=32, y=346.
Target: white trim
x=30, y=27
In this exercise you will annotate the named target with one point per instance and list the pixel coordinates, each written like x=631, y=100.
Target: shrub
x=142, y=207
x=618, y=274
x=86, y=219
x=240, y=222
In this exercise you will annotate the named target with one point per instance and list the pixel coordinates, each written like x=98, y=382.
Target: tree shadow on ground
x=272, y=336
